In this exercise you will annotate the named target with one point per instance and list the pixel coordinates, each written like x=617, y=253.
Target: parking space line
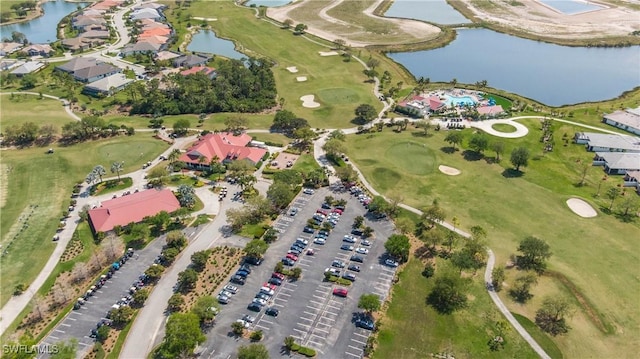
x=288, y=289
x=303, y=264
x=333, y=307
x=356, y=348
x=315, y=302
x=317, y=296
x=65, y=324
x=306, y=326
x=360, y=335
x=327, y=318
x=320, y=330
x=314, y=314
x=324, y=324
x=353, y=355
x=262, y=326
x=359, y=342
x=303, y=318
x=285, y=294
x=59, y=331
x=278, y=305
x=296, y=329
x=82, y=343
x=52, y=337
x=74, y=319
x=266, y=321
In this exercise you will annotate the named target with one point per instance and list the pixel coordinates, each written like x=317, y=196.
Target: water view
x=571, y=7
x=207, y=42
x=43, y=29
x=436, y=11
x=267, y=3
x=552, y=74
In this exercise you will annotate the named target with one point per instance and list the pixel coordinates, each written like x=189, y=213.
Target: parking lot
x=308, y=310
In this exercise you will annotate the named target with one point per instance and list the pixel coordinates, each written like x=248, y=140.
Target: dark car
x=288, y=262
x=355, y=268
x=346, y=247
x=297, y=247
x=349, y=276
x=242, y=273
x=254, y=307
x=357, y=232
x=323, y=233
x=238, y=280
x=308, y=229
x=272, y=312
x=275, y=281
x=262, y=296
x=340, y=208
x=245, y=268
x=358, y=259
x=253, y=260
x=365, y=322
x=326, y=205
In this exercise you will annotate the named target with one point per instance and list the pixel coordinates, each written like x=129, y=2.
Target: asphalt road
x=308, y=310
x=78, y=323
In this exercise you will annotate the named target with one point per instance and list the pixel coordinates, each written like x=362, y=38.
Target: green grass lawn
x=111, y=186
x=592, y=253
x=325, y=74
x=503, y=127
x=412, y=329
x=38, y=190
x=305, y=164
x=18, y=109
x=271, y=137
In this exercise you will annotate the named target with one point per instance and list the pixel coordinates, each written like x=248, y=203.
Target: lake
x=206, y=41
x=43, y=29
x=435, y=11
x=552, y=74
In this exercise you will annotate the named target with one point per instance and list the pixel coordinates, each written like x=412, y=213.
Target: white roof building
x=628, y=120
x=605, y=142
x=28, y=67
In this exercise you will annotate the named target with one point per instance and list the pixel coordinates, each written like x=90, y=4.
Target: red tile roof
x=196, y=69
x=156, y=31
x=490, y=110
x=132, y=208
x=226, y=146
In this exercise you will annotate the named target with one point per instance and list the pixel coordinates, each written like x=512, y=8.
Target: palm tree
x=454, y=82
x=117, y=167
x=174, y=155
x=201, y=161
x=99, y=171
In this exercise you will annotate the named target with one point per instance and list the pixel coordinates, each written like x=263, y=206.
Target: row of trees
x=238, y=87
x=479, y=143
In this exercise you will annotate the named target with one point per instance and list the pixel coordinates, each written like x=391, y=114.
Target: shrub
x=308, y=352
x=256, y=336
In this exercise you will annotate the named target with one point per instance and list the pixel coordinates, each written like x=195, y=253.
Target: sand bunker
x=581, y=208
x=449, y=171
x=328, y=53
x=308, y=101
x=301, y=78
x=292, y=69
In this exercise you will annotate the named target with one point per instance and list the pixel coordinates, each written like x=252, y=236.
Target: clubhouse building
x=222, y=147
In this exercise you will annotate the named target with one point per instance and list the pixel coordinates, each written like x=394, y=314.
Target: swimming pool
x=457, y=100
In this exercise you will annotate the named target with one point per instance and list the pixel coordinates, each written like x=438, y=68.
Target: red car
x=292, y=256
x=340, y=292
x=270, y=286
x=322, y=212
x=338, y=211
x=277, y=275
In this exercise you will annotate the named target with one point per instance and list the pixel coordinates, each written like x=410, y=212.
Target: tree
x=398, y=247
x=287, y=121
x=520, y=157
x=358, y=221
x=369, y=302
x=333, y=147
x=296, y=273
x=181, y=126
x=176, y=239
x=121, y=316
x=373, y=63
x=433, y=215
x=29, y=81
x=140, y=296
x=253, y=351
x=379, y=205
x=186, y=196
x=237, y=328
x=404, y=225
x=175, y=302
x=365, y=113
x=629, y=206
x=157, y=175
x=432, y=238
x=66, y=349
x=497, y=277
x=521, y=290
x=338, y=135
x=174, y=155
x=287, y=23
x=346, y=173
x=187, y=280
x=280, y=194
x=199, y=260
x=304, y=135
x=182, y=335
x=116, y=168
x=448, y=294
x=300, y=29
x=291, y=178
x=535, y=252
x=551, y=316
x=612, y=194
x=478, y=143
x=289, y=342
x=103, y=333
x=425, y=126
x=235, y=123
x=206, y=308
x=339, y=43
x=454, y=138
x=99, y=171
x=498, y=148
x=256, y=248
x=154, y=272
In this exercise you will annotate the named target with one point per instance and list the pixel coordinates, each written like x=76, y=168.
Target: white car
x=334, y=271
x=259, y=301
x=307, y=191
x=320, y=241
x=231, y=288
x=224, y=293
x=365, y=242
x=391, y=263
x=349, y=238
x=362, y=250
x=244, y=323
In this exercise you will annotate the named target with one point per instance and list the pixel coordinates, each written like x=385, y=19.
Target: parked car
x=224, y=293
x=337, y=263
x=390, y=262
x=326, y=205
x=323, y=233
x=349, y=276
x=357, y=231
x=293, y=257
x=294, y=251
x=319, y=240
x=268, y=290
x=249, y=319
x=261, y=295
x=272, y=312
x=302, y=241
x=243, y=274
x=254, y=307
x=253, y=260
x=349, y=239
x=333, y=271
x=322, y=212
x=354, y=267
x=288, y=262
x=362, y=250
x=340, y=292
x=293, y=211
x=358, y=259
x=277, y=275
x=259, y=301
x=308, y=229
x=275, y=281
x=245, y=268
x=365, y=322
x=308, y=191
x=231, y=288
x=365, y=243
x=346, y=247
x=238, y=280
x=223, y=299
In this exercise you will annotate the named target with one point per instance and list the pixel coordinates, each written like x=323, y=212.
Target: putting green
x=338, y=96
x=412, y=157
x=504, y=127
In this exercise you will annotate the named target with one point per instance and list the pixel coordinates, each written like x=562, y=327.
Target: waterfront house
x=142, y=47
x=207, y=71
x=95, y=34
x=7, y=48
x=44, y=50
x=94, y=73
x=145, y=14
x=82, y=22
x=628, y=120
x=81, y=43
x=190, y=60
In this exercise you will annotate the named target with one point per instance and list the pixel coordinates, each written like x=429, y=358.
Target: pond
x=43, y=29
x=552, y=74
x=571, y=7
x=206, y=41
x=267, y=3
x=435, y=11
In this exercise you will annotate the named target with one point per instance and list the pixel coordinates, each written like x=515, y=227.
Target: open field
x=18, y=109
x=212, y=122
x=412, y=329
x=353, y=21
x=325, y=74
x=39, y=186
x=510, y=208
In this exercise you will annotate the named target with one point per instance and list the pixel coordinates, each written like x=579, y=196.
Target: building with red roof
x=131, y=208
x=209, y=71
x=226, y=147
x=490, y=111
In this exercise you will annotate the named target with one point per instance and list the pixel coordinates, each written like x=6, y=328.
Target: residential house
x=8, y=64
x=167, y=55
x=632, y=179
x=81, y=43
x=628, y=120
x=605, y=142
x=191, y=60
x=151, y=5
x=93, y=12
x=107, y=86
x=145, y=14
x=142, y=47
x=617, y=163
x=7, y=48
x=28, y=68
x=224, y=147
x=81, y=22
x=78, y=63
x=107, y=5
x=132, y=208
x=95, y=34
x=94, y=73
x=208, y=71
x=44, y=50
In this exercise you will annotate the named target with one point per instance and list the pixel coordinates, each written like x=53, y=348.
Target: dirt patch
x=449, y=171
x=284, y=161
x=581, y=208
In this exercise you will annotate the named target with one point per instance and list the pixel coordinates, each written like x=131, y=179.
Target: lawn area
x=412, y=329
x=212, y=122
x=253, y=231
x=503, y=127
x=325, y=74
x=113, y=185
x=18, y=109
x=305, y=163
x=271, y=137
x=594, y=254
x=38, y=188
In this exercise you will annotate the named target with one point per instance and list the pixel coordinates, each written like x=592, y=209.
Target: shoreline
x=40, y=12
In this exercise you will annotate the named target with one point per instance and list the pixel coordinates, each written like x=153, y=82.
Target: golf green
x=338, y=95
x=412, y=157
